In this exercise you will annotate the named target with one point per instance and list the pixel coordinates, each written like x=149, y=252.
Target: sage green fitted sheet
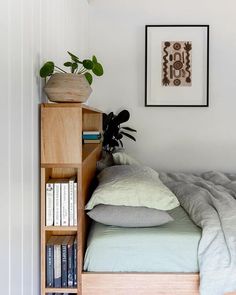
x=168, y=248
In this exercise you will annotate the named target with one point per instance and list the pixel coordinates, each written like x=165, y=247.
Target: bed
x=168, y=248
x=209, y=200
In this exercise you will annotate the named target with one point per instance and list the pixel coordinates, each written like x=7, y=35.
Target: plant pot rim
x=67, y=74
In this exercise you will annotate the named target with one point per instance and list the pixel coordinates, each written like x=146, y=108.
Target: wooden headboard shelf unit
x=62, y=156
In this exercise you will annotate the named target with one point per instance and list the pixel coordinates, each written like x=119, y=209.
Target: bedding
x=167, y=248
x=128, y=216
x=210, y=200
x=121, y=158
x=132, y=185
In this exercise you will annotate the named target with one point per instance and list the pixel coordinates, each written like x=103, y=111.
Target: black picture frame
x=206, y=104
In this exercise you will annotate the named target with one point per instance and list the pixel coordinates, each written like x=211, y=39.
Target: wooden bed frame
x=96, y=283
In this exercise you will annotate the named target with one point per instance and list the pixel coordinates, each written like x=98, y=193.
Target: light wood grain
x=139, y=284
x=60, y=290
x=61, y=136
x=82, y=106
x=91, y=121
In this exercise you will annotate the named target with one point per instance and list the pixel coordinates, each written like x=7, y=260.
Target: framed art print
x=177, y=66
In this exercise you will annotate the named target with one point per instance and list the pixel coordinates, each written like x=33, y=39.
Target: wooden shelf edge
x=53, y=165
x=72, y=104
x=61, y=290
x=60, y=228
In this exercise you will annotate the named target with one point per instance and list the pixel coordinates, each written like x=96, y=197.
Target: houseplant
x=113, y=132
x=72, y=86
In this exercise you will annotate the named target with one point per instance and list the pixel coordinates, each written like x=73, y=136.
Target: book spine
x=64, y=266
x=57, y=266
x=91, y=132
x=75, y=204
x=64, y=204
x=49, y=204
x=49, y=266
x=75, y=262
x=92, y=141
x=70, y=266
x=71, y=202
x=57, y=204
x=91, y=136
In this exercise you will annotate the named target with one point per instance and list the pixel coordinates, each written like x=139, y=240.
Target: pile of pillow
x=131, y=196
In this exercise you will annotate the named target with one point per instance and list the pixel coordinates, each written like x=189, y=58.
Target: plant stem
x=60, y=69
x=82, y=68
x=84, y=71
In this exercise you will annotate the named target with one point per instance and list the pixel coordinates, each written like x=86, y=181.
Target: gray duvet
x=210, y=200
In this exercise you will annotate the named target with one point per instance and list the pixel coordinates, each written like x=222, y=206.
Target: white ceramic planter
x=67, y=88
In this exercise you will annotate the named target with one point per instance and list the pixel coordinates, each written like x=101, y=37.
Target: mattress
x=168, y=248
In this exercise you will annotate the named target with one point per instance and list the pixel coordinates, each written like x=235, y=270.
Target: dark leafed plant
x=114, y=132
x=76, y=66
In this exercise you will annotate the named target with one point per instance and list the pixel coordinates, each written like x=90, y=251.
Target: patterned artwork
x=177, y=63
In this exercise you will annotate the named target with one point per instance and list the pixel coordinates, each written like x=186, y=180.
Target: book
x=50, y=262
x=64, y=202
x=91, y=132
x=57, y=203
x=70, y=262
x=75, y=204
x=71, y=200
x=64, y=261
x=91, y=136
x=92, y=141
x=49, y=203
x=57, y=262
x=75, y=262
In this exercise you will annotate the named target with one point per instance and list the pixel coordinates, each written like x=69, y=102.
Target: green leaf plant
x=76, y=66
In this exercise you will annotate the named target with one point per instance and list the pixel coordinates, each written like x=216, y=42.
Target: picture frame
x=177, y=65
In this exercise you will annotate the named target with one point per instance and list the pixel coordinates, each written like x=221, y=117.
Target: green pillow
x=132, y=185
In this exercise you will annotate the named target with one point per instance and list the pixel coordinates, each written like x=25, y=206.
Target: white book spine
x=75, y=204
x=57, y=204
x=49, y=204
x=71, y=202
x=65, y=204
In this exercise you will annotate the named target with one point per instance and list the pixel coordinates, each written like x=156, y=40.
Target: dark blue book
x=75, y=262
x=70, y=250
x=64, y=260
x=50, y=262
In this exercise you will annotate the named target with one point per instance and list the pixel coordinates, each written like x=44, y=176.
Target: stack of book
x=92, y=137
x=61, y=202
x=61, y=262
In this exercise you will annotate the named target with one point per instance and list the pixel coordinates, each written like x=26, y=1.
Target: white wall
x=31, y=32
x=174, y=139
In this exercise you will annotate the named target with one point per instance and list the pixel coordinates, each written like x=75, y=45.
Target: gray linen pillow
x=127, y=216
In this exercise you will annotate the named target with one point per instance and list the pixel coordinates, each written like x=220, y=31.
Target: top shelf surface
x=85, y=107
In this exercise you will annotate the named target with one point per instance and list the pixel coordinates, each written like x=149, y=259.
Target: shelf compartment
x=89, y=149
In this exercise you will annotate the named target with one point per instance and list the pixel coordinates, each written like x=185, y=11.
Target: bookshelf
x=63, y=156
